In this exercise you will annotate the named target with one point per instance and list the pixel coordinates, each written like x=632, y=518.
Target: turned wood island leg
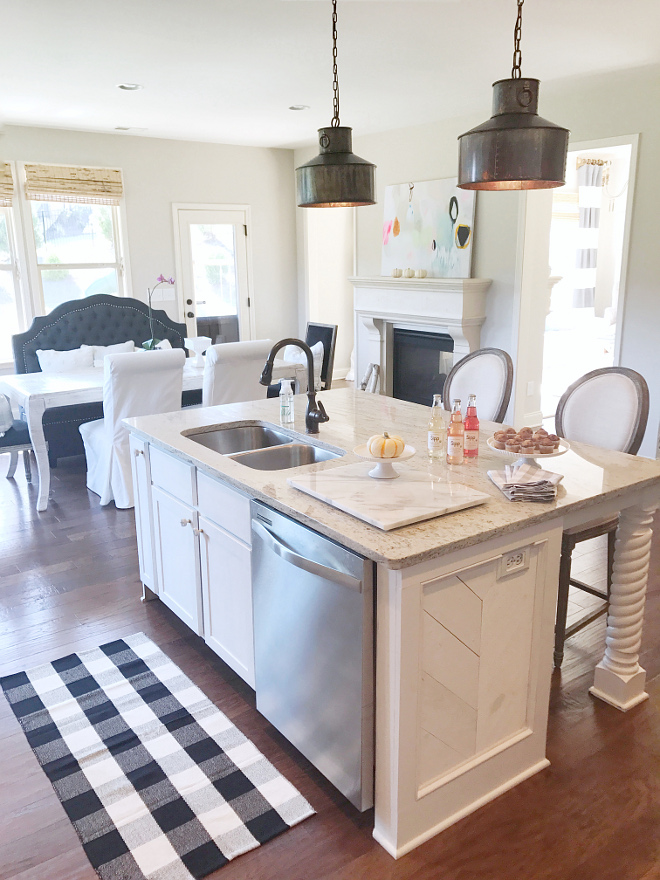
x=619, y=679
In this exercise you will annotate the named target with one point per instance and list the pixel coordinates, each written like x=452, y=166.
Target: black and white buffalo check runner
x=157, y=782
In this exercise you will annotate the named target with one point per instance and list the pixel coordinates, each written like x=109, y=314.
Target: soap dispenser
x=286, y=402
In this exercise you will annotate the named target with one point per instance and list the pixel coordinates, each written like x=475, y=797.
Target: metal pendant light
x=336, y=177
x=515, y=148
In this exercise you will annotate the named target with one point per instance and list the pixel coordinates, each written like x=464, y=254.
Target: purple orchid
x=150, y=344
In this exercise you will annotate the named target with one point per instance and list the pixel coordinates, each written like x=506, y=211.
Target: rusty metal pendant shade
x=516, y=148
x=336, y=177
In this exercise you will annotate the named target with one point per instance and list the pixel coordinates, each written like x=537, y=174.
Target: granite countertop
x=590, y=474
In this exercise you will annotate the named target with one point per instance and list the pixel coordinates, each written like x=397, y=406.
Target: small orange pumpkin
x=385, y=446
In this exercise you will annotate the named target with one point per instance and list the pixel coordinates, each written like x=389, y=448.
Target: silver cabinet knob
x=198, y=531
x=186, y=522
x=138, y=452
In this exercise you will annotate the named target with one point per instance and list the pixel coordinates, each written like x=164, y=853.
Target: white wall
x=329, y=249
x=430, y=152
x=159, y=172
x=601, y=106
x=609, y=106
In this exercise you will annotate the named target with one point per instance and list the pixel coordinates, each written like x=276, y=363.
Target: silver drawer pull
x=186, y=522
x=198, y=531
x=138, y=452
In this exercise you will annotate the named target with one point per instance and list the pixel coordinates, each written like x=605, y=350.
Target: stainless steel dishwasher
x=314, y=648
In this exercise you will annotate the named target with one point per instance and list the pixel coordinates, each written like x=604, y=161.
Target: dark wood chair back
x=327, y=334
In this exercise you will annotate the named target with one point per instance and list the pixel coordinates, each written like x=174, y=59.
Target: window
x=69, y=240
x=75, y=230
x=9, y=315
x=76, y=251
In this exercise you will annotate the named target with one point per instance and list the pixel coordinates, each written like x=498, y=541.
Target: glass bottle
x=286, y=402
x=471, y=427
x=437, y=433
x=455, y=434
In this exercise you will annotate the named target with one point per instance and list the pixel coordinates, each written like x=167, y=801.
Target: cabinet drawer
x=224, y=506
x=172, y=475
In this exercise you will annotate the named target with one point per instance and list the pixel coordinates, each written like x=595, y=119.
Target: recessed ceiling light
x=130, y=87
x=299, y=107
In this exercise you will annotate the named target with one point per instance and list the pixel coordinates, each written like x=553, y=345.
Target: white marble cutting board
x=387, y=504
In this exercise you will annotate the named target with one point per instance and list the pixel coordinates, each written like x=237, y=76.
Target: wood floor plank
x=69, y=581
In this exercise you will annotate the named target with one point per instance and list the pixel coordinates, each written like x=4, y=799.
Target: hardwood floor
x=69, y=581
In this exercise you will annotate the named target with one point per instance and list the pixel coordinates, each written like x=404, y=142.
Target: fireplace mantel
x=456, y=306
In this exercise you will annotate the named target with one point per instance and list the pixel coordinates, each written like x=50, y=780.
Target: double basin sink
x=262, y=446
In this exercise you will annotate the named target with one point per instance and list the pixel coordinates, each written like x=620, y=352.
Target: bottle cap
x=286, y=385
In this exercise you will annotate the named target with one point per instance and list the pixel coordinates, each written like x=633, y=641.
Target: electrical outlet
x=514, y=561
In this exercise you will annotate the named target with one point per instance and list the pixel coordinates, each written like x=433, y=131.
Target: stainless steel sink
x=279, y=458
x=240, y=438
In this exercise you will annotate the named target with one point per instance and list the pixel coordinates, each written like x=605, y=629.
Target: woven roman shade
x=6, y=185
x=69, y=183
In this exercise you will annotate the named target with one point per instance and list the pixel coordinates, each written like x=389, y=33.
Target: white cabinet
x=143, y=519
x=194, y=548
x=177, y=557
x=227, y=598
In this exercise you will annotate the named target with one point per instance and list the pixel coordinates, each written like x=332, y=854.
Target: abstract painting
x=428, y=226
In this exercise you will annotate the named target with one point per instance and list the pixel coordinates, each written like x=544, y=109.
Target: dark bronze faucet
x=315, y=411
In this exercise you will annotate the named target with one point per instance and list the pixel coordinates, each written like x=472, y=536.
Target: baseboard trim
x=397, y=852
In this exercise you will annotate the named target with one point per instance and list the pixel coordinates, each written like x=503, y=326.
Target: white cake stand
x=384, y=469
x=523, y=458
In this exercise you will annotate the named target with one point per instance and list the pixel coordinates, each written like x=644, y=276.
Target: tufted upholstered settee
x=96, y=320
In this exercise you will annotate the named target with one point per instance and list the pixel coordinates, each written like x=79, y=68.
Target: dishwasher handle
x=290, y=556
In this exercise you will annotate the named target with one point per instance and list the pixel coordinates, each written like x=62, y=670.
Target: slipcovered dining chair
x=14, y=440
x=232, y=372
x=488, y=373
x=609, y=408
x=137, y=384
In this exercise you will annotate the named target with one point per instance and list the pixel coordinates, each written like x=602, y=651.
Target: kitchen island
x=465, y=603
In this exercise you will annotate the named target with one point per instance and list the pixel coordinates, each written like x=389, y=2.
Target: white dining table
x=37, y=392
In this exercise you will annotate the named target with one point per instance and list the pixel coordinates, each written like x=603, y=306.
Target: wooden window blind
x=65, y=183
x=6, y=185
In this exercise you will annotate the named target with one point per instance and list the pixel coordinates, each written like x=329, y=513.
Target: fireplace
x=453, y=308
x=420, y=363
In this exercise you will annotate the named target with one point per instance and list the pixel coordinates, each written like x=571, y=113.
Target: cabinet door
x=143, y=517
x=177, y=557
x=227, y=598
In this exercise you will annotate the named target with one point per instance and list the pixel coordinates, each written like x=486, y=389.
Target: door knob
x=188, y=302
x=190, y=314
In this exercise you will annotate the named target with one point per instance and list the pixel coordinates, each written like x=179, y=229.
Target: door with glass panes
x=213, y=270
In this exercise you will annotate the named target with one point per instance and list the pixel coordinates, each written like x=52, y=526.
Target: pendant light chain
x=517, y=34
x=335, y=80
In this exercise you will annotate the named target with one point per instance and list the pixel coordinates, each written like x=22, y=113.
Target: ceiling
x=227, y=71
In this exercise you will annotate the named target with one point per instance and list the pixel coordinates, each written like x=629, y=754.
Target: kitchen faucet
x=315, y=411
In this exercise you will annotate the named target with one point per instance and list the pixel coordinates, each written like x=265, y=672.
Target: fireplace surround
x=451, y=306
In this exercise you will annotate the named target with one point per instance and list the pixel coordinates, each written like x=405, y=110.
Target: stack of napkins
x=524, y=482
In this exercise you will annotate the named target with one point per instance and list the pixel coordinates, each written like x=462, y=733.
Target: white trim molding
x=455, y=306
